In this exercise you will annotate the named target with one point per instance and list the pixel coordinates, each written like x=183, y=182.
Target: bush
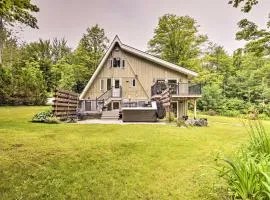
x=263, y=116
x=231, y=113
x=52, y=120
x=212, y=98
x=45, y=117
x=211, y=112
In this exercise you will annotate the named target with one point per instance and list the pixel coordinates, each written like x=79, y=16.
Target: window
x=102, y=84
x=123, y=63
x=111, y=63
x=116, y=62
x=116, y=83
x=109, y=84
x=133, y=82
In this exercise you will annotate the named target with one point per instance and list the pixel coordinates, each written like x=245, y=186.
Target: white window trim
x=102, y=89
x=172, y=79
x=120, y=81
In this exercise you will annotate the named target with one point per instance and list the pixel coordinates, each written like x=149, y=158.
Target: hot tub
x=140, y=114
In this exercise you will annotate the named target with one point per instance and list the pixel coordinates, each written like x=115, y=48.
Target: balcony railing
x=177, y=89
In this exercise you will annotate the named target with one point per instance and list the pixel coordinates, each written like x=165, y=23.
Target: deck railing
x=179, y=89
x=98, y=103
x=91, y=105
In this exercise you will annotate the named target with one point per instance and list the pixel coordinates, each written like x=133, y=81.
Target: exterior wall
x=145, y=73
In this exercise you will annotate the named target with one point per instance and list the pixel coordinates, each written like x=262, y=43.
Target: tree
x=216, y=59
x=176, y=39
x=59, y=49
x=94, y=43
x=248, y=4
x=258, y=40
x=75, y=69
x=212, y=98
x=46, y=54
x=11, y=51
x=13, y=11
x=22, y=85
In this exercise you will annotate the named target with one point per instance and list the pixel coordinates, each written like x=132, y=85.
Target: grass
x=71, y=161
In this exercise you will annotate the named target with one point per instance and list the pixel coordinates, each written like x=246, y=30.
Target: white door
x=116, y=92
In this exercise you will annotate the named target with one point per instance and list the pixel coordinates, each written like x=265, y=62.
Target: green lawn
x=71, y=161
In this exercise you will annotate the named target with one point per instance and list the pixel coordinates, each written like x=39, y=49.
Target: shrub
x=52, y=120
x=212, y=98
x=45, y=117
x=263, y=116
x=231, y=113
x=211, y=112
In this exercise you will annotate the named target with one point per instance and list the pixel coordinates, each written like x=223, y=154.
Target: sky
x=134, y=20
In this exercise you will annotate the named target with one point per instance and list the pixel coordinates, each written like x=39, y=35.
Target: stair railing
x=106, y=95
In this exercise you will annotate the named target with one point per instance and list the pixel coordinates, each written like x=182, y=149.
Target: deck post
x=195, y=108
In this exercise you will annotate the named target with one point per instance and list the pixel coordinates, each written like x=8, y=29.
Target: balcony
x=176, y=89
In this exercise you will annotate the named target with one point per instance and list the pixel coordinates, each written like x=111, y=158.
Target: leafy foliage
x=22, y=85
x=248, y=4
x=258, y=39
x=32, y=71
x=45, y=117
x=13, y=11
x=18, y=11
x=42, y=116
x=176, y=40
x=246, y=175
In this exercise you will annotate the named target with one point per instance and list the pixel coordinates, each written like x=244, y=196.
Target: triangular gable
x=137, y=53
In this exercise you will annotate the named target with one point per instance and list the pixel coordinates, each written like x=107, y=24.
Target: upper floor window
x=102, y=84
x=117, y=62
x=133, y=82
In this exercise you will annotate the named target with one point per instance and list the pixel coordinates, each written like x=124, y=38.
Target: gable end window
x=116, y=62
x=101, y=84
x=133, y=82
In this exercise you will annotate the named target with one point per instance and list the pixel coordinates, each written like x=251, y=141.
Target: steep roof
x=139, y=54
